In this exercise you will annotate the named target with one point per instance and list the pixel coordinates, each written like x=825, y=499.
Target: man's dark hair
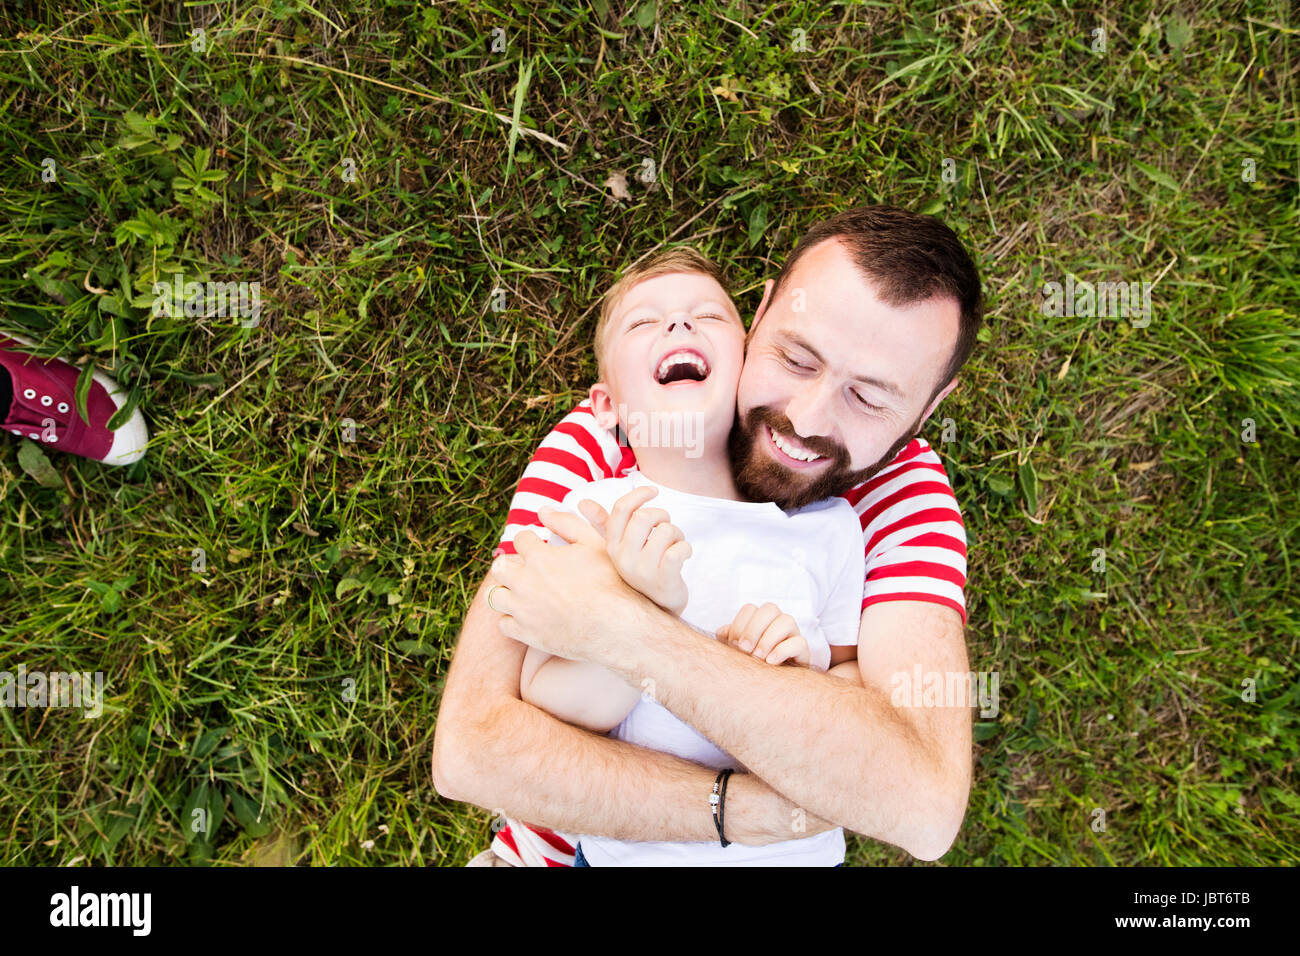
x=910, y=258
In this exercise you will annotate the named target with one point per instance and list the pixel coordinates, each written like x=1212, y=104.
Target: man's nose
x=809, y=410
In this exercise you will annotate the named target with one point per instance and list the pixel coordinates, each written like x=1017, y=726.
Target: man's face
x=835, y=381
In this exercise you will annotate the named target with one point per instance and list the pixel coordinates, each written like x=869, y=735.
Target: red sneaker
x=43, y=408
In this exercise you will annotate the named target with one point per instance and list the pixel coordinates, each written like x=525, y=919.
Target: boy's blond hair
x=678, y=259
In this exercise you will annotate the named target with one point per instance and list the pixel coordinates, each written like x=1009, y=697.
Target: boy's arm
x=840, y=654
x=533, y=660
x=578, y=692
x=847, y=667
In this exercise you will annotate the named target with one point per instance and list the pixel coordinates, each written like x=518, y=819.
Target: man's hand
x=569, y=602
x=767, y=634
x=648, y=551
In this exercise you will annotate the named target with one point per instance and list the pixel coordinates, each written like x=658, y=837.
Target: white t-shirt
x=810, y=564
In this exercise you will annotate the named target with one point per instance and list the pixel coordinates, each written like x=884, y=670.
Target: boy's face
x=674, y=347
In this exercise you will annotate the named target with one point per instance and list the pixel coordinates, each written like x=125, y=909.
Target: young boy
x=669, y=346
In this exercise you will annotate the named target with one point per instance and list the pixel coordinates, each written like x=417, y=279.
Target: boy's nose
x=681, y=320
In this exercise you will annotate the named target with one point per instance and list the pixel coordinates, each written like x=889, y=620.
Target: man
x=853, y=347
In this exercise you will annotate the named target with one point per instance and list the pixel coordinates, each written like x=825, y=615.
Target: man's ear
x=940, y=397
x=602, y=403
x=762, y=306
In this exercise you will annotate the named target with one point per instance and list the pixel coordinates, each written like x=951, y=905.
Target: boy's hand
x=767, y=634
x=646, y=548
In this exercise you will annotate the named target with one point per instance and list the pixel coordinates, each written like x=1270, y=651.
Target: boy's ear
x=602, y=403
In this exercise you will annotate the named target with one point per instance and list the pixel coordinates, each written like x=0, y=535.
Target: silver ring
x=489, y=598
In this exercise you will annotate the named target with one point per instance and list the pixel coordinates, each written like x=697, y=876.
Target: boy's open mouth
x=682, y=365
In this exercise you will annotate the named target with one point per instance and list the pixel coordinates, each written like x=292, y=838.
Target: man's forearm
x=502, y=754
x=546, y=772
x=839, y=751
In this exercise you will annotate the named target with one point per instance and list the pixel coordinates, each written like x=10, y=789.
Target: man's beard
x=759, y=477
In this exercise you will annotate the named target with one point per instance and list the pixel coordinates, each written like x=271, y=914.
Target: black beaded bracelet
x=717, y=801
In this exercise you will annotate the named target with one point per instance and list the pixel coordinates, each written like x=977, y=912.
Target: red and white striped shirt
x=912, y=532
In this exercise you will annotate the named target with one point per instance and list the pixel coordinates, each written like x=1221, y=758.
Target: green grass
x=327, y=561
